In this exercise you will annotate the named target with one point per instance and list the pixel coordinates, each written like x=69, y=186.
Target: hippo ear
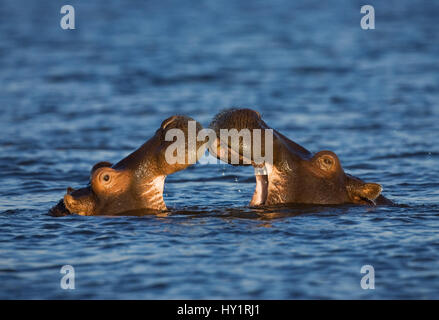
x=367, y=192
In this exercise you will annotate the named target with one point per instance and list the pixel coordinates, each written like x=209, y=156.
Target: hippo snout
x=59, y=210
x=81, y=201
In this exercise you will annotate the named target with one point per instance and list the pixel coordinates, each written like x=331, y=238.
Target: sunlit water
x=72, y=98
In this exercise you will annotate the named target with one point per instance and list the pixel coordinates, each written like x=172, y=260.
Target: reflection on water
x=73, y=98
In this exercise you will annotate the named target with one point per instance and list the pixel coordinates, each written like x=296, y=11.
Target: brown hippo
x=135, y=182
x=295, y=174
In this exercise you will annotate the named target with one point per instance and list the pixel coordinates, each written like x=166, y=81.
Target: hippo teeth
x=261, y=171
x=261, y=190
x=369, y=201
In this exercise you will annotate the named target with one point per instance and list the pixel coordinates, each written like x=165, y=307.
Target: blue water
x=71, y=98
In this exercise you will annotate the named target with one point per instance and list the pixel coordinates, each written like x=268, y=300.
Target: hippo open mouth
x=291, y=174
x=136, y=182
x=285, y=172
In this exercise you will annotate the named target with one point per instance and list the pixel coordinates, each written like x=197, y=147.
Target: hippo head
x=136, y=182
x=293, y=175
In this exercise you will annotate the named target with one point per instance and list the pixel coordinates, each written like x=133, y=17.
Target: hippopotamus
x=295, y=175
x=136, y=182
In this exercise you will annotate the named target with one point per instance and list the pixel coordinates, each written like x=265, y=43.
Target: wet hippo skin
x=295, y=174
x=136, y=182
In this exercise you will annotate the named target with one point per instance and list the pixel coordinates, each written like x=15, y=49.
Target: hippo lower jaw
x=85, y=202
x=261, y=190
x=153, y=194
x=263, y=178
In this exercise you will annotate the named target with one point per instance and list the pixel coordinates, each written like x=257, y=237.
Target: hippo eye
x=327, y=161
x=106, y=177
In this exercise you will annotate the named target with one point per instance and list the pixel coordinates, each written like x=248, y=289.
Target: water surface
x=72, y=98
